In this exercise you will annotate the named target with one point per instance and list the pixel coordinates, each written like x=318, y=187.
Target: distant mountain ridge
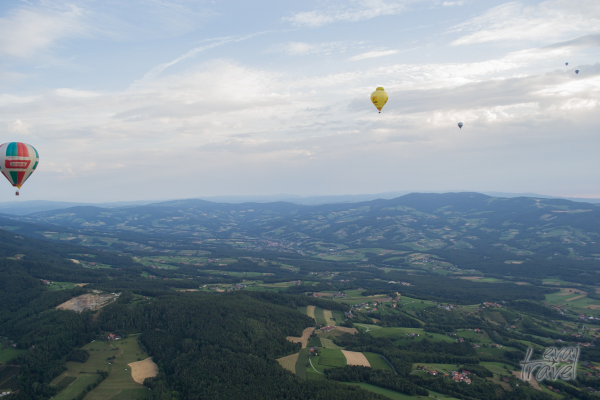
x=35, y=206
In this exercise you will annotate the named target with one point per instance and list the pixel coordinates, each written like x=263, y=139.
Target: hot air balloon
x=17, y=162
x=460, y=125
x=379, y=97
x=577, y=71
x=566, y=63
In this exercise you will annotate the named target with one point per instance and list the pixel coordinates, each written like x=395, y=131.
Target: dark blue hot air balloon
x=576, y=71
x=460, y=125
x=566, y=63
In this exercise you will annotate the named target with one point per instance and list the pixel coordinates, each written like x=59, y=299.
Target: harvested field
x=304, y=339
x=354, y=358
x=289, y=362
x=328, y=318
x=531, y=381
x=141, y=370
x=346, y=330
x=87, y=302
x=471, y=278
x=576, y=297
x=310, y=311
x=593, y=306
x=522, y=283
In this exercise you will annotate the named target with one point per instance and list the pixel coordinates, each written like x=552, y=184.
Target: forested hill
x=450, y=221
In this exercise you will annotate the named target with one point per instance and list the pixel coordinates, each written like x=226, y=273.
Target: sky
x=166, y=99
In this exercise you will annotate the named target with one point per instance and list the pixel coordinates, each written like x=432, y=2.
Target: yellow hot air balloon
x=379, y=97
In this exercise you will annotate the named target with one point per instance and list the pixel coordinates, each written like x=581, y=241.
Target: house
x=433, y=372
x=313, y=349
x=466, y=373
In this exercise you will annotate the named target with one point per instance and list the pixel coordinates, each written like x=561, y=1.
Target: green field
x=301, y=364
x=331, y=358
x=8, y=354
x=328, y=344
x=402, y=334
x=377, y=361
x=118, y=383
x=319, y=317
x=379, y=390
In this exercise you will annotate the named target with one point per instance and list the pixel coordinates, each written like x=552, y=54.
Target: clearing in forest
x=304, y=339
x=141, y=370
x=289, y=362
x=355, y=358
x=87, y=302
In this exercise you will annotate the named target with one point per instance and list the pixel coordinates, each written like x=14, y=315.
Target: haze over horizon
x=182, y=99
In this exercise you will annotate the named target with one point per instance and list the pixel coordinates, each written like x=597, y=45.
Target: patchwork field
x=119, y=385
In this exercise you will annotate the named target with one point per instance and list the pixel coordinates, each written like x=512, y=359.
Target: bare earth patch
x=521, y=283
x=310, y=311
x=593, y=306
x=531, y=380
x=87, y=302
x=141, y=370
x=304, y=339
x=354, y=358
x=289, y=362
x=351, y=330
x=575, y=298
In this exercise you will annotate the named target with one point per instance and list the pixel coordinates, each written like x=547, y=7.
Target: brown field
x=351, y=330
x=304, y=339
x=354, y=358
x=531, y=381
x=141, y=370
x=289, y=362
x=310, y=311
x=576, y=297
x=593, y=306
x=471, y=278
x=325, y=294
x=187, y=290
x=375, y=320
x=570, y=291
x=521, y=283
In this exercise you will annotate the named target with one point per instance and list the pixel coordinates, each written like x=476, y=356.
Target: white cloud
x=453, y=3
x=28, y=30
x=547, y=21
x=19, y=127
x=303, y=48
x=347, y=11
x=373, y=54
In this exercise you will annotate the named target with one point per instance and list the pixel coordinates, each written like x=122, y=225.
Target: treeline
x=384, y=379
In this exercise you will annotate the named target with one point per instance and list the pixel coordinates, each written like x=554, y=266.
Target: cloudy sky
x=158, y=99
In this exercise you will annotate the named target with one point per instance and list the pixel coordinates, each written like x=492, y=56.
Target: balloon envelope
x=460, y=125
x=566, y=63
x=17, y=162
x=576, y=71
x=379, y=97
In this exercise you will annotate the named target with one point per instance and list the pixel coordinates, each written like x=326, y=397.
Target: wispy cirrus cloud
x=303, y=48
x=347, y=11
x=373, y=54
x=547, y=21
x=27, y=30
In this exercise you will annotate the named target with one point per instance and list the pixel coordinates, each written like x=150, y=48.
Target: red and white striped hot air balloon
x=17, y=162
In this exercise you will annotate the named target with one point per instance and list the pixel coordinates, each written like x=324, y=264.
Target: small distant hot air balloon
x=460, y=125
x=379, y=97
x=17, y=162
x=566, y=63
x=577, y=71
